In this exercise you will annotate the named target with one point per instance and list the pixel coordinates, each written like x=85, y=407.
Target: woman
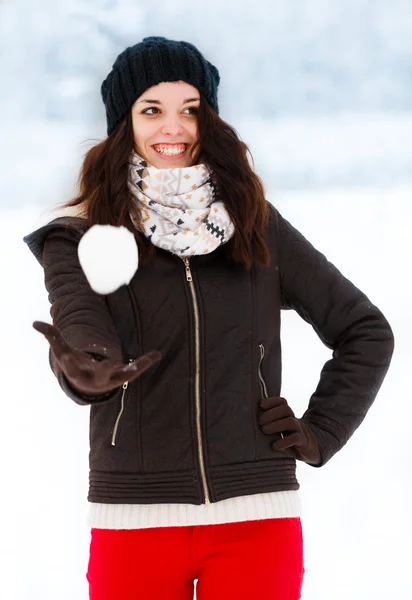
x=192, y=449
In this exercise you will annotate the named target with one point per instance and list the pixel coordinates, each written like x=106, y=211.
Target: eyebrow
x=158, y=101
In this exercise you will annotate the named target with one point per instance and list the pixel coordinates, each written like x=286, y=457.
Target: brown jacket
x=187, y=430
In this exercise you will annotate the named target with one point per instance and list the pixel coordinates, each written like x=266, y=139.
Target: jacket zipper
x=119, y=416
x=264, y=388
x=189, y=278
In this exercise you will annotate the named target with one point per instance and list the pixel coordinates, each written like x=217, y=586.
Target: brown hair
x=103, y=186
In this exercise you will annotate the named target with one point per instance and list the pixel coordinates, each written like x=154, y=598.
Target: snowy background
x=322, y=94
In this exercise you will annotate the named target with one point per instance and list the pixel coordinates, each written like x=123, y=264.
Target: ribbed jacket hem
x=270, y=505
x=185, y=487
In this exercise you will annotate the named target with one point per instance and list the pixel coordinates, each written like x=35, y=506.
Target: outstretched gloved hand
x=278, y=417
x=87, y=374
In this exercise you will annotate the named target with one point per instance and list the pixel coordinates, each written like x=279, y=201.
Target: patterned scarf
x=176, y=208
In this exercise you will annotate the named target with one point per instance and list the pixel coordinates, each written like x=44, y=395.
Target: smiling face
x=165, y=125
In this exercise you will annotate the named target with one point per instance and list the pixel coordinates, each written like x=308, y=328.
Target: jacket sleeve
x=81, y=314
x=347, y=322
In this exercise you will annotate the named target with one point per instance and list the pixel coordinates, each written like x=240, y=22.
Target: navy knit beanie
x=152, y=61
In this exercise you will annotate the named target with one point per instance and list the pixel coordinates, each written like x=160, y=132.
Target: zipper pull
x=126, y=383
x=188, y=271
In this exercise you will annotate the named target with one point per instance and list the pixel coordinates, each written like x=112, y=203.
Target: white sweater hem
x=272, y=505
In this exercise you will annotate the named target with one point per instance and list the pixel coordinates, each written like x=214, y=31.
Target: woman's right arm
x=80, y=314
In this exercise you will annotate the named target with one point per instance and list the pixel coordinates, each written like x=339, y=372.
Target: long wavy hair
x=106, y=199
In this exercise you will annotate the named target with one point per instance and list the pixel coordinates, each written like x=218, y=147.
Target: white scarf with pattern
x=176, y=208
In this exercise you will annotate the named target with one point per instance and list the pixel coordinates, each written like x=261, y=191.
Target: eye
x=144, y=112
x=194, y=109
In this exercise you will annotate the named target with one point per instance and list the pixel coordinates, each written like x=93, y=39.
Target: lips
x=170, y=149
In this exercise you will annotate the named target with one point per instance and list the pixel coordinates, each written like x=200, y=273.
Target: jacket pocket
x=263, y=385
x=121, y=411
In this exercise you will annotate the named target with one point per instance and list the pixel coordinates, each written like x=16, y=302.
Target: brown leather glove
x=91, y=375
x=278, y=417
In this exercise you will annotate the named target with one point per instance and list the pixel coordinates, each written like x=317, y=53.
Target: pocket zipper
x=119, y=416
x=264, y=388
x=262, y=381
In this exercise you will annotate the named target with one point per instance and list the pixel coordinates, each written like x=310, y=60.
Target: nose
x=172, y=126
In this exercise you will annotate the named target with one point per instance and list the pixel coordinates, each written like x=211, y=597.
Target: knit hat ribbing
x=152, y=61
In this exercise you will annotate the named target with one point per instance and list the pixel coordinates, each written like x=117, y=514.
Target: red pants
x=253, y=560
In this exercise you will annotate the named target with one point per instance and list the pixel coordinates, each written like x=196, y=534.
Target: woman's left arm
x=349, y=324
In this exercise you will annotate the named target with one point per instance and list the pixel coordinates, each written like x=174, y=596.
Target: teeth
x=171, y=151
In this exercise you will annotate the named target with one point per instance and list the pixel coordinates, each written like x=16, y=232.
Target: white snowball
x=109, y=257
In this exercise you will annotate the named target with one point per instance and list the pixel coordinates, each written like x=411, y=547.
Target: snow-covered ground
x=357, y=523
